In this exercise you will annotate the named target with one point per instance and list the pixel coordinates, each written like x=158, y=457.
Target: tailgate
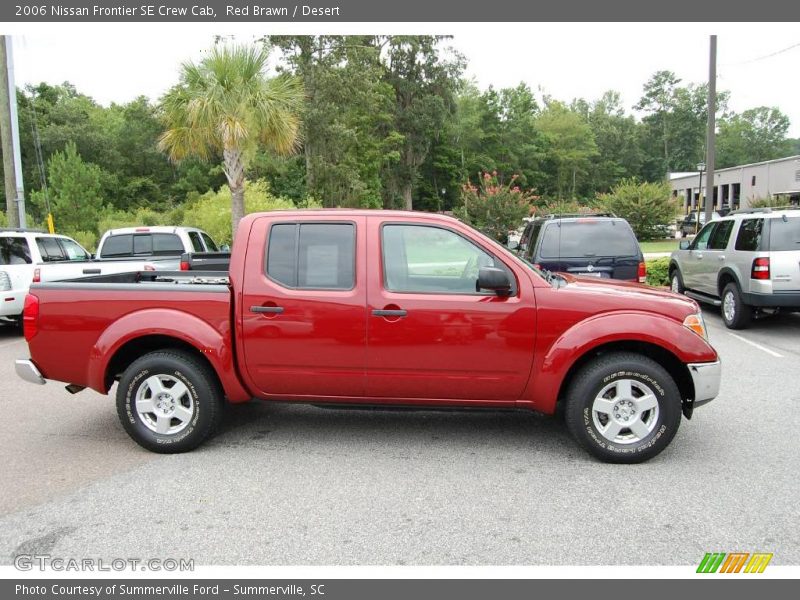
x=784, y=245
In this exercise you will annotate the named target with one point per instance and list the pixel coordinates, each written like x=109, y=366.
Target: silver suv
x=747, y=262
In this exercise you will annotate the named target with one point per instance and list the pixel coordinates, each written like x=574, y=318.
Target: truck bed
x=79, y=316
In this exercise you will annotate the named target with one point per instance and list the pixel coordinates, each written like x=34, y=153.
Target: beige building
x=737, y=187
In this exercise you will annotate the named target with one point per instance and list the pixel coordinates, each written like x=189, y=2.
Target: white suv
x=21, y=252
x=747, y=262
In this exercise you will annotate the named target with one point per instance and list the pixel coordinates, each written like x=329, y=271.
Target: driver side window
x=427, y=259
x=701, y=241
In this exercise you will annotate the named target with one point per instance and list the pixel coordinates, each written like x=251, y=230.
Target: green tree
x=648, y=207
x=348, y=132
x=226, y=105
x=755, y=135
x=569, y=149
x=75, y=191
x=619, y=155
x=423, y=83
x=676, y=122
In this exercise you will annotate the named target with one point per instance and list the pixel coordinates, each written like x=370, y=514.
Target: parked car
x=376, y=308
x=688, y=225
x=601, y=246
x=163, y=245
x=747, y=262
x=28, y=256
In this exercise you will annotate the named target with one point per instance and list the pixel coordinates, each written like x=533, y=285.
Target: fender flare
x=211, y=343
x=608, y=328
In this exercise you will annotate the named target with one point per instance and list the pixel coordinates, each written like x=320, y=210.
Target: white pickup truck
x=28, y=256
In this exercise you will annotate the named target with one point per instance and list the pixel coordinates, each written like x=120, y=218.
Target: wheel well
x=673, y=365
x=673, y=266
x=138, y=347
x=725, y=278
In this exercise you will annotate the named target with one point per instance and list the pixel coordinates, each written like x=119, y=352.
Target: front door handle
x=91, y=271
x=267, y=309
x=385, y=312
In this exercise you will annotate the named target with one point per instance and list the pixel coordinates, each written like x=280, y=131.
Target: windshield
x=585, y=238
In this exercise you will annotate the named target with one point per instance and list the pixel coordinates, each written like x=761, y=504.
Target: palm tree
x=227, y=105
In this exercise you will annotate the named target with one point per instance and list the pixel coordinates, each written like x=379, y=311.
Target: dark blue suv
x=590, y=245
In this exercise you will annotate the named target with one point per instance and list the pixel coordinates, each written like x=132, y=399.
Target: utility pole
x=711, y=133
x=7, y=140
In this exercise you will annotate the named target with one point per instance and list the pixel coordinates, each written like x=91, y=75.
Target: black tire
x=643, y=374
x=676, y=281
x=201, y=402
x=741, y=314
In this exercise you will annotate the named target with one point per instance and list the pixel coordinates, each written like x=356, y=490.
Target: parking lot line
x=755, y=345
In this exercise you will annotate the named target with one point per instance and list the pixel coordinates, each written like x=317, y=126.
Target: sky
x=117, y=62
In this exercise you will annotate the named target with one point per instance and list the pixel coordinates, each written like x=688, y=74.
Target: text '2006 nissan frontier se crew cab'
x=376, y=308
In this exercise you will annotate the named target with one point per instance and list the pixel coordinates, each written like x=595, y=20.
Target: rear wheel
x=169, y=401
x=676, y=281
x=735, y=313
x=623, y=408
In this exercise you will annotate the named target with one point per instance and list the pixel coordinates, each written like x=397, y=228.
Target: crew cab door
x=430, y=334
x=303, y=313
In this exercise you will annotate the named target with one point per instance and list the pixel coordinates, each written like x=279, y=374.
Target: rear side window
x=210, y=244
x=197, y=244
x=117, y=245
x=587, y=238
x=784, y=235
x=50, y=249
x=312, y=255
x=530, y=241
x=14, y=251
x=73, y=250
x=719, y=240
x=749, y=236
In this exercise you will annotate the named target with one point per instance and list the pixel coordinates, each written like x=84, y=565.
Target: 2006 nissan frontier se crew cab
x=375, y=308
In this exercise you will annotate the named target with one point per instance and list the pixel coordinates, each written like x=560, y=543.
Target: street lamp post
x=700, y=167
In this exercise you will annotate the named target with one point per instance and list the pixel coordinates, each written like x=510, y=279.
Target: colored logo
x=734, y=562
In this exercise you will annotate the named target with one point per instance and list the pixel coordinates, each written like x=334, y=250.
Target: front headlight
x=696, y=323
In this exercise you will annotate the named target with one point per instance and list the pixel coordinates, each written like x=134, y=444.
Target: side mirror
x=512, y=244
x=684, y=245
x=224, y=248
x=494, y=279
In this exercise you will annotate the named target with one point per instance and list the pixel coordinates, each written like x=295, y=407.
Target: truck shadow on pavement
x=284, y=424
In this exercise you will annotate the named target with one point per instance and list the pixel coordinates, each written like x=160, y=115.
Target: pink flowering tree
x=495, y=208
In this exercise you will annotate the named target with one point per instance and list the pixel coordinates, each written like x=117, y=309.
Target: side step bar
x=700, y=297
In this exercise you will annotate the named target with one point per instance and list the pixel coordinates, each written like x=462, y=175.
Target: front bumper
x=706, y=378
x=28, y=371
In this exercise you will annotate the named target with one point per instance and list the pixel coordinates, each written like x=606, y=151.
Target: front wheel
x=623, y=408
x=169, y=401
x=735, y=313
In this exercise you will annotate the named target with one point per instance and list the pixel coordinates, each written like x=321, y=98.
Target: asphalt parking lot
x=285, y=484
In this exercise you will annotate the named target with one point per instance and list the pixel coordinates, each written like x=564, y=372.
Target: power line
x=766, y=56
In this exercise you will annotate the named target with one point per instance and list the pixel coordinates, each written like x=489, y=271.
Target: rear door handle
x=384, y=312
x=267, y=309
x=91, y=271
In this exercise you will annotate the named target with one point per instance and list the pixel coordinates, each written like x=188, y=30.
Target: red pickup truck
x=375, y=308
